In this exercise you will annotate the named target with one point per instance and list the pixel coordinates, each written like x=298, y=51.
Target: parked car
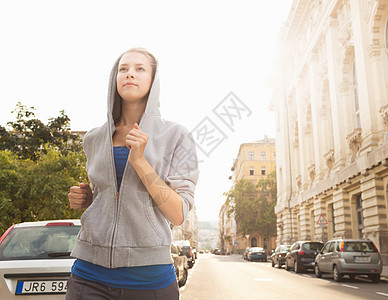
x=245, y=254
x=349, y=257
x=278, y=257
x=302, y=255
x=180, y=264
x=195, y=253
x=257, y=253
x=35, y=260
x=186, y=250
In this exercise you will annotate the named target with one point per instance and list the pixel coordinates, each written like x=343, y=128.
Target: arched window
x=254, y=242
x=356, y=101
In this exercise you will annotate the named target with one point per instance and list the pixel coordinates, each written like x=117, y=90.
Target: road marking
x=325, y=280
x=263, y=279
x=382, y=294
x=350, y=286
x=305, y=275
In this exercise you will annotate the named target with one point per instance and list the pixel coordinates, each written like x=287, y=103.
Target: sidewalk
x=384, y=273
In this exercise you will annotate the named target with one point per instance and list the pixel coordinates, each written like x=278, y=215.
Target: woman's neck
x=131, y=113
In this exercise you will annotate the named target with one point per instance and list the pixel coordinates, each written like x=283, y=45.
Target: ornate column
x=374, y=213
x=342, y=214
x=365, y=77
x=304, y=225
x=336, y=157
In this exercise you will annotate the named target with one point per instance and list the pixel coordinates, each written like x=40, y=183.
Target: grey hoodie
x=126, y=229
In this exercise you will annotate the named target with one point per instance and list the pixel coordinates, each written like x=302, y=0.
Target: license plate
x=361, y=258
x=41, y=287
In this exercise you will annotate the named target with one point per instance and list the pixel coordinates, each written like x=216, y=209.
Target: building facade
x=188, y=230
x=254, y=162
x=330, y=98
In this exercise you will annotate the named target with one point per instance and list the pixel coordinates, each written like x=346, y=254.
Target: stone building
x=330, y=97
x=188, y=230
x=254, y=162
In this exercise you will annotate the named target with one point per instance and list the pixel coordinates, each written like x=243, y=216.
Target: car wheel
x=296, y=267
x=279, y=265
x=375, y=278
x=318, y=273
x=286, y=266
x=272, y=263
x=336, y=274
x=183, y=280
x=190, y=264
x=352, y=277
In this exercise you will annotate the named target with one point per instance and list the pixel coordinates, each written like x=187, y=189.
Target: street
x=230, y=277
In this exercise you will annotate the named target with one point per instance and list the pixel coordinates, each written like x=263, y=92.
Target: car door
x=289, y=255
x=322, y=262
x=294, y=255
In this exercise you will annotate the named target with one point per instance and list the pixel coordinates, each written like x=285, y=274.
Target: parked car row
x=340, y=257
x=35, y=259
x=255, y=254
x=187, y=250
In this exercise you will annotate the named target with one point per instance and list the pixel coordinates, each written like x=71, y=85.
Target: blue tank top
x=144, y=277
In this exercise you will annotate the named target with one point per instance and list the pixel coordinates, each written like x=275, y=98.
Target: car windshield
x=284, y=248
x=359, y=247
x=256, y=249
x=312, y=246
x=39, y=242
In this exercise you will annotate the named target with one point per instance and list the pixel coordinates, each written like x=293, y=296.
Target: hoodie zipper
x=117, y=197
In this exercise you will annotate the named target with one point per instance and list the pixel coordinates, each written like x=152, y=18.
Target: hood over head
x=114, y=99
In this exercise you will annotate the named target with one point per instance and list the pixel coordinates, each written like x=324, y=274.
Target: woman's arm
x=166, y=199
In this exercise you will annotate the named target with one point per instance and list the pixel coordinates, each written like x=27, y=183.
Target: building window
x=386, y=36
x=262, y=155
x=356, y=100
x=251, y=156
x=251, y=170
x=360, y=217
x=263, y=171
x=254, y=242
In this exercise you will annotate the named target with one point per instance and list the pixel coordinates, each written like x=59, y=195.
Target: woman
x=143, y=171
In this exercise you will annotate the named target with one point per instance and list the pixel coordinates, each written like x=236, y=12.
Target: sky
x=215, y=60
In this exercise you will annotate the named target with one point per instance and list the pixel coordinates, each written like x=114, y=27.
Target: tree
x=28, y=135
x=38, y=165
x=243, y=202
x=34, y=191
x=254, y=206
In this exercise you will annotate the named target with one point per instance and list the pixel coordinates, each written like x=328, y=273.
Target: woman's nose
x=129, y=75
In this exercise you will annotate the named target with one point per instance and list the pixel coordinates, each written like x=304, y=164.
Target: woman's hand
x=81, y=196
x=136, y=141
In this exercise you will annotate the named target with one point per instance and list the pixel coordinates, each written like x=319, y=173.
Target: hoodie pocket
x=97, y=221
x=150, y=214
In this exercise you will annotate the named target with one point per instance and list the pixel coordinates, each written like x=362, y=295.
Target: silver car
x=35, y=260
x=349, y=257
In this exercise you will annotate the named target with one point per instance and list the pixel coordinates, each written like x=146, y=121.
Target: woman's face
x=134, y=77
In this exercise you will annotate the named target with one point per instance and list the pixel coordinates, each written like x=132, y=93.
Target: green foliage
x=28, y=135
x=254, y=206
x=38, y=165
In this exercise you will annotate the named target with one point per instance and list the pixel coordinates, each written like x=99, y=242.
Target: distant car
x=302, y=255
x=186, y=250
x=201, y=252
x=35, y=260
x=245, y=254
x=257, y=254
x=349, y=257
x=278, y=257
x=195, y=253
x=180, y=264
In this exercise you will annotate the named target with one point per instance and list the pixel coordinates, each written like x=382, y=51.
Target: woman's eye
x=140, y=68
x=121, y=69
